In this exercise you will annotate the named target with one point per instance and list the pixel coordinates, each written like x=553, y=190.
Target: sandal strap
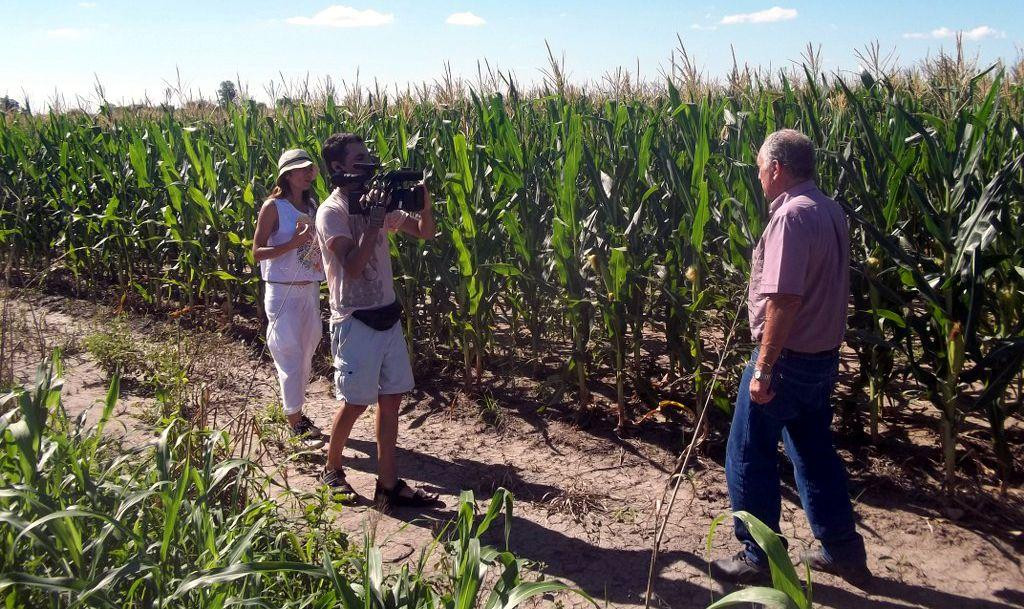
x=400, y=485
x=394, y=495
x=415, y=493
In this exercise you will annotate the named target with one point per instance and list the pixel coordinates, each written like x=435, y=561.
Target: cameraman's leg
x=357, y=365
x=341, y=429
x=395, y=380
x=391, y=491
x=387, y=438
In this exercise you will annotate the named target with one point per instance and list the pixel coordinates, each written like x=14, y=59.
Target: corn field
x=609, y=231
x=183, y=524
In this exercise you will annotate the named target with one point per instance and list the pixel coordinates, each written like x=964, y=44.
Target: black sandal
x=385, y=499
x=342, y=491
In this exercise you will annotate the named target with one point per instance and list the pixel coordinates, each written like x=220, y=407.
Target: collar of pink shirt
x=793, y=191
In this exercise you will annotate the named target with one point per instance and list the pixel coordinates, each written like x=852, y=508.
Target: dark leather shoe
x=739, y=569
x=854, y=572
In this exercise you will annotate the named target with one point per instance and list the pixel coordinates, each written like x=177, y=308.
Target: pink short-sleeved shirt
x=804, y=251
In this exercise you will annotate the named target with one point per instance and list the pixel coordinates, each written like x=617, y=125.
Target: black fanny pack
x=381, y=318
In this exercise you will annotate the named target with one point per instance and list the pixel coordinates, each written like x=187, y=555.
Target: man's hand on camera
x=376, y=201
x=376, y=217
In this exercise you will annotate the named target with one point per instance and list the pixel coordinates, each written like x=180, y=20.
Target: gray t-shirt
x=375, y=286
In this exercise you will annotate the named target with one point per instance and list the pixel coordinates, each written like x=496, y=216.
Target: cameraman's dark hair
x=336, y=147
x=792, y=150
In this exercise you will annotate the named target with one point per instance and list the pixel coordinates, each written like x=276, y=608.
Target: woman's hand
x=303, y=235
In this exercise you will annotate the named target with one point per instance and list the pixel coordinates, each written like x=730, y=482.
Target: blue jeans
x=801, y=413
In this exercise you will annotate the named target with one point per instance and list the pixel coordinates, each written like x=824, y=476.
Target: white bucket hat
x=296, y=158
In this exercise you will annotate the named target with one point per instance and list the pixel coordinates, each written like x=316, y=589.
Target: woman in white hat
x=285, y=245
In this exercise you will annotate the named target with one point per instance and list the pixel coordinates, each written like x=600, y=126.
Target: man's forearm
x=780, y=313
x=356, y=257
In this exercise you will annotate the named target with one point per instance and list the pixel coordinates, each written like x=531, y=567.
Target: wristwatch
x=761, y=374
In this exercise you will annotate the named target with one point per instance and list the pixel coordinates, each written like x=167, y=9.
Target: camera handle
x=378, y=213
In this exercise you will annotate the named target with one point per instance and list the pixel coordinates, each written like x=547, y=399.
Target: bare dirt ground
x=585, y=499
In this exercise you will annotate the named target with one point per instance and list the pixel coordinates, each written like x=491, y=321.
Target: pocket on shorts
x=396, y=369
x=342, y=370
x=339, y=334
x=356, y=363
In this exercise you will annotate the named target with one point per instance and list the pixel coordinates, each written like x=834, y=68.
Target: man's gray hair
x=793, y=150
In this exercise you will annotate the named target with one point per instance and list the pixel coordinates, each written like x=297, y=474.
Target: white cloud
x=983, y=31
x=344, y=16
x=707, y=28
x=771, y=15
x=978, y=33
x=87, y=4
x=66, y=33
x=467, y=19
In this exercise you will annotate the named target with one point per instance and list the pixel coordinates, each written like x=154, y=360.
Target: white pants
x=294, y=328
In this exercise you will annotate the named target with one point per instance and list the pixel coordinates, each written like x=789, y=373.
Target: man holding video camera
x=371, y=360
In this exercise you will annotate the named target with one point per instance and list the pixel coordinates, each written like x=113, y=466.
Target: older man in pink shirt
x=797, y=302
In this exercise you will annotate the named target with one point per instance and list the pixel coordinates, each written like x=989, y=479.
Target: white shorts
x=369, y=363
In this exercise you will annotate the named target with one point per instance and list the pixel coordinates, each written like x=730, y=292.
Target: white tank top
x=300, y=264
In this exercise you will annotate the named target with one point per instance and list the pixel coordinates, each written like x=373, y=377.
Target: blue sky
x=135, y=48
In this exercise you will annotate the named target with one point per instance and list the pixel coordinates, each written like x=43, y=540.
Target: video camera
x=392, y=184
